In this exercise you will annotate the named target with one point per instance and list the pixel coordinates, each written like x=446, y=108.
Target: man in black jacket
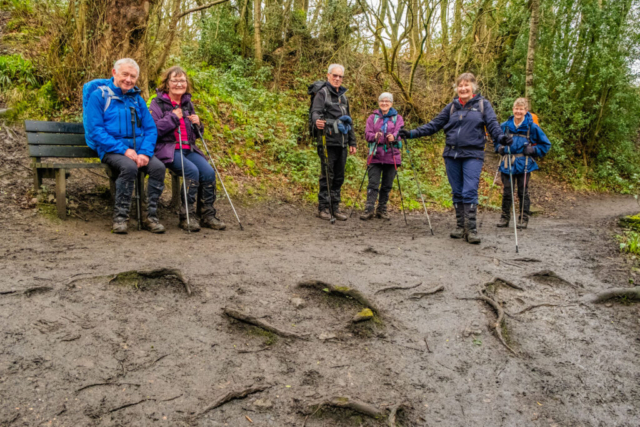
x=330, y=113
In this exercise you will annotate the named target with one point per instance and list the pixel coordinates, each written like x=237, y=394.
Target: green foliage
x=220, y=41
x=630, y=242
x=15, y=71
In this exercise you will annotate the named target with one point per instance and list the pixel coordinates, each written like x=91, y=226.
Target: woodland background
x=251, y=63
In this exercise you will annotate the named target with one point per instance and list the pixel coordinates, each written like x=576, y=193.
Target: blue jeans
x=464, y=178
x=196, y=167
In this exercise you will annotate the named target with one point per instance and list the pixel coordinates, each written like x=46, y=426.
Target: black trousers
x=376, y=190
x=126, y=169
x=335, y=167
x=523, y=194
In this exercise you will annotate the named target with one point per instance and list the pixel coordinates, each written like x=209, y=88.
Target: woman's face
x=518, y=112
x=465, y=91
x=385, y=105
x=177, y=85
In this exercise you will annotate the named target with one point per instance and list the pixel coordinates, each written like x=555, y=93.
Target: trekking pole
x=495, y=178
x=395, y=166
x=513, y=203
x=369, y=158
x=217, y=173
x=524, y=188
x=137, y=185
x=326, y=172
x=415, y=177
x=184, y=181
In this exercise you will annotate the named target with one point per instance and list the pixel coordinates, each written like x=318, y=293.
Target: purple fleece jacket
x=167, y=123
x=380, y=156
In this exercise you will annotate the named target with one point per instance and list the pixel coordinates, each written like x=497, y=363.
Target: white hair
x=332, y=66
x=386, y=95
x=128, y=61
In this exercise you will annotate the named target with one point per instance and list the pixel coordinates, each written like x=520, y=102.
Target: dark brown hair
x=175, y=71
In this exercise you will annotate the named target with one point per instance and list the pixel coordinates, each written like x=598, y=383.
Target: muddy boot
x=124, y=193
x=460, y=232
x=381, y=212
x=506, y=213
x=470, y=211
x=193, y=224
x=339, y=215
x=324, y=214
x=368, y=213
x=208, y=217
x=150, y=221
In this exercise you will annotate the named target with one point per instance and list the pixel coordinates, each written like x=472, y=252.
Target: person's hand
x=391, y=138
x=194, y=119
x=178, y=112
x=142, y=160
x=320, y=124
x=501, y=150
x=352, y=150
x=378, y=135
x=130, y=153
x=404, y=134
x=529, y=150
x=506, y=140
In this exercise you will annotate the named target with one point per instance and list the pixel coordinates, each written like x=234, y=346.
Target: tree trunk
x=257, y=6
x=457, y=21
x=379, y=26
x=415, y=29
x=173, y=25
x=531, y=51
x=444, y=6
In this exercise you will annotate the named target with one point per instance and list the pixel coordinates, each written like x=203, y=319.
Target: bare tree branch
x=206, y=6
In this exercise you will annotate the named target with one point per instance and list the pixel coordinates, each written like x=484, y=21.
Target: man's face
x=125, y=77
x=335, y=77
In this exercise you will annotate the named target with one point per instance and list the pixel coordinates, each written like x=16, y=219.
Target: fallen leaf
x=248, y=419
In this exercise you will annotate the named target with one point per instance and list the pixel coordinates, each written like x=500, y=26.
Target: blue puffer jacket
x=110, y=131
x=465, y=128
x=536, y=137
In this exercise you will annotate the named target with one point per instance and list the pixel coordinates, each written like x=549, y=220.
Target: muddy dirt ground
x=78, y=349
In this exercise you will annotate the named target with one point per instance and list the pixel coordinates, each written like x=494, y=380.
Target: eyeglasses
x=385, y=101
x=178, y=82
x=337, y=76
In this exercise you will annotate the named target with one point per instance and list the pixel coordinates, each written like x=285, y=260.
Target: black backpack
x=312, y=91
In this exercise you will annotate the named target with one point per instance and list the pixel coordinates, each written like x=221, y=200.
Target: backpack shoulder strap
x=375, y=118
x=107, y=93
x=327, y=98
x=452, y=108
x=394, y=119
x=482, y=107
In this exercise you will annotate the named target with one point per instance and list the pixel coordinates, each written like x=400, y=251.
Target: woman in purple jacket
x=175, y=117
x=384, y=156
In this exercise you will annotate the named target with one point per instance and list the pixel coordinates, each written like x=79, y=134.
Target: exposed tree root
x=232, y=395
x=628, y=293
x=129, y=405
x=363, y=408
x=37, y=290
x=531, y=307
x=419, y=295
x=548, y=274
x=158, y=273
x=394, y=288
x=340, y=290
x=242, y=317
x=526, y=260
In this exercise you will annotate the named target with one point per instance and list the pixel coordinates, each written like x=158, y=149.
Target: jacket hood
x=392, y=112
x=340, y=91
x=524, y=126
x=186, y=98
x=118, y=91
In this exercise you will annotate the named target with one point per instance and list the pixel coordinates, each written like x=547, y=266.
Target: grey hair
x=332, y=66
x=385, y=95
x=128, y=61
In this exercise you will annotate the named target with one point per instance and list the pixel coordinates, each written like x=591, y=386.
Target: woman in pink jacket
x=384, y=156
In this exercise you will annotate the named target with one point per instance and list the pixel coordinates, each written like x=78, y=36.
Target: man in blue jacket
x=109, y=131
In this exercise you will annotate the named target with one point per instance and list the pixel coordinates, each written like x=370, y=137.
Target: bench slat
x=59, y=151
x=56, y=139
x=70, y=165
x=53, y=127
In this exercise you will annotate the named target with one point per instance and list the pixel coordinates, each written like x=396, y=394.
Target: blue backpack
x=87, y=90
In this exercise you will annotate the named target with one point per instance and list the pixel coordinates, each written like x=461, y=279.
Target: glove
x=404, y=134
x=506, y=140
x=501, y=150
x=530, y=150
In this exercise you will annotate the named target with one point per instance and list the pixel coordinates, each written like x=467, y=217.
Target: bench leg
x=175, y=192
x=61, y=193
x=37, y=179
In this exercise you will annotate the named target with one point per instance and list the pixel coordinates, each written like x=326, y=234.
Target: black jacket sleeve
x=434, y=125
x=317, y=109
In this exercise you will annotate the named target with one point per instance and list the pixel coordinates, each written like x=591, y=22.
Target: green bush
x=16, y=71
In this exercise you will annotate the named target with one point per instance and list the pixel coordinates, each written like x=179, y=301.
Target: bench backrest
x=57, y=139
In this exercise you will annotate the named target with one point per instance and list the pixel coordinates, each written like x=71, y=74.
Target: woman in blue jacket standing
x=529, y=142
x=464, y=122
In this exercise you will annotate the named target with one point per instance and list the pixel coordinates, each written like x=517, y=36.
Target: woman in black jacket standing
x=464, y=121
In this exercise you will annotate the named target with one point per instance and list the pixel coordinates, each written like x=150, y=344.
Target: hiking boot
x=470, y=210
x=193, y=225
x=503, y=223
x=212, y=222
x=460, y=232
x=152, y=224
x=382, y=213
x=339, y=215
x=324, y=214
x=367, y=214
x=523, y=224
x=119, y=226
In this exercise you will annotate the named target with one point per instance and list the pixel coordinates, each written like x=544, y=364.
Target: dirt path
x=97, y=353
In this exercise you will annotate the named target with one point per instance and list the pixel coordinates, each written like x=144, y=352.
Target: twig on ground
x=105, y=384
x=128, y=405
x=427, y=344
x=393, y=288
x=232, y=395
x=548, y=274
x=354, y=405
x=419, y=295
x=340, y=290
x=497, y=280
x=254, y=351
x=242, y=317
x=531, y=307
